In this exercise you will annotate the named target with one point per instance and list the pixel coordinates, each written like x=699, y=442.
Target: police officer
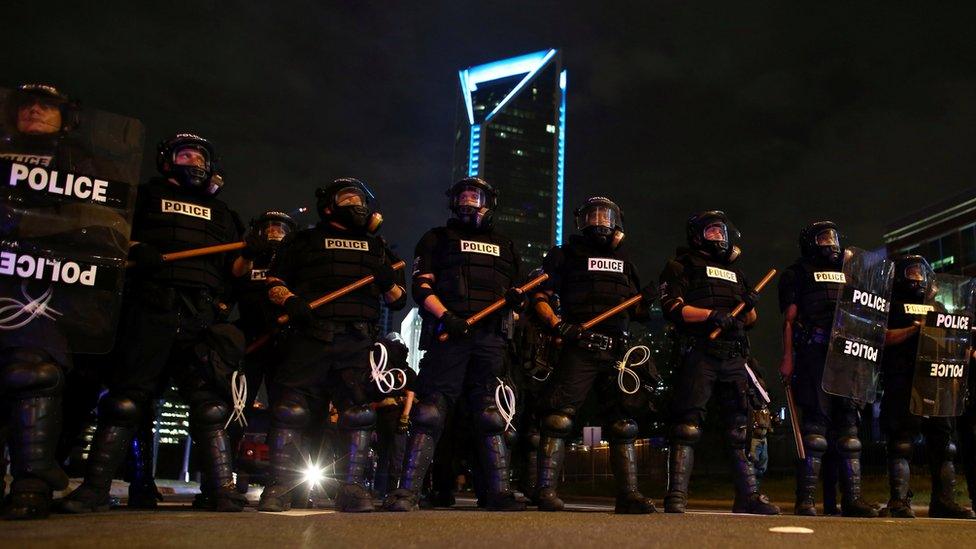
x=33, y=366
x=808, y=293
x=328, y=349
x=458, y=270
x=911, y=284
x=591, y=274
x=168, y=326
x=258, y=316
x=699, y=288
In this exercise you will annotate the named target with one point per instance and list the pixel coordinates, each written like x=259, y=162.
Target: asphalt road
x=584, y=526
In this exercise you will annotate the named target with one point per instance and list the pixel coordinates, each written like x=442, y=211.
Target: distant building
x=944, y=233
x=511, y=131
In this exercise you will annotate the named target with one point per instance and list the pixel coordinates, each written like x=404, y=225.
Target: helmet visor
x=827, y=237
x=350, y=196
x=274, y=230
x=599, y=216
x=916, y=272
x=716, y=232
x=470, y=196
x=192, y=155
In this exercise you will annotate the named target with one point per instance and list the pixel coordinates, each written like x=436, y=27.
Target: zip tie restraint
x=387, y=380
x=624, y=370
x=238, y=393
x=505, y=402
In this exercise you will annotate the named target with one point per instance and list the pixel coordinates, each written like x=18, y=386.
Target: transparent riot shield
x=944, y=345
x=66, y=208
x=858, y=333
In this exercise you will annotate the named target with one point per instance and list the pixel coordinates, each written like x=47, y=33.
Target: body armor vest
x=257, y=312
x=172, y=219
x=331, y=259
x=710, y=285
x=900, y=358
x=472, y=269
x=817, y=292
x=594, y=280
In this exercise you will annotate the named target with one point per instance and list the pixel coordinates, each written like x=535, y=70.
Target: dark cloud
x=779, y=113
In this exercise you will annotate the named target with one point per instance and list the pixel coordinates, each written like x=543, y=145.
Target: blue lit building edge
x=561, y=159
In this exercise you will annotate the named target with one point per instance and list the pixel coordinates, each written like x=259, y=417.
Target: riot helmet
x=600, y=220
x=913, y=276
x=711, y=233
x=346, y=202
x=473, y=202
x=191, y=161
x=41, y=110
x=820, y=242
x=274, y=226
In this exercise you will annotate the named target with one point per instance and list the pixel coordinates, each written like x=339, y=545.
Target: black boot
x=681, y=459
x=419, y=454
x=143, y=493
x=623, y=462
x=747, y=496
x=852, y=503
x=943, y=503
x=807, y=474
x=107, y=452
x=494, y=456
x=218, y=460
x=285, y=448
x=352, y=496
x=33, y=438
x=900, y=502
x=552, y=452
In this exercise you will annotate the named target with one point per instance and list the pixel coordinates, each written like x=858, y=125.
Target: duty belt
x=594, y=341
x=719, y=348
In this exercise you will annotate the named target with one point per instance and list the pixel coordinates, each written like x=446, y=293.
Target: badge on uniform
x=715, y=272
x=259, y=274
x=186, y=208
x=343, y=244
x=830, y=276
x=604, y=264
x=471, y=246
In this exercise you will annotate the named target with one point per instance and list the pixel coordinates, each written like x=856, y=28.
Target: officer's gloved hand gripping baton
x=477, y=317
x=329, y=297
x=738, y=308
x=196, y=252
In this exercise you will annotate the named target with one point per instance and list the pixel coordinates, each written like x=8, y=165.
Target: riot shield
x=944, y=344
x=66, y=208
x=858, y=333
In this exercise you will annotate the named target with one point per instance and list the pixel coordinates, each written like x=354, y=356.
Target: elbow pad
x=672, y=310
x=421, y=290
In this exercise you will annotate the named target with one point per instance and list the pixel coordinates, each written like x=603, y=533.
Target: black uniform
x=901, y=426
x=169, y=329
x=472, y=268
x=327, y=355
x=258, y=318
x=699, y=280
x=589, y=278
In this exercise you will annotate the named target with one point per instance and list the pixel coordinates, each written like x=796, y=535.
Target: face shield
x=350, y=196
x=193, y=156
x=599, y=216
x=470, y=199
x=716, y=232
x=274, y=230
x=827, y=237
x=915, y=272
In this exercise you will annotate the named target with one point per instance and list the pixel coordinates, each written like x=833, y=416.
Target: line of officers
x=173, y=327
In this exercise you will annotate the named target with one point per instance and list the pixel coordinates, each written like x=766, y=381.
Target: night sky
x=779, y=113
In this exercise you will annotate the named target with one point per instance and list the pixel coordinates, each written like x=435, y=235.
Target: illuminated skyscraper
x=511, y=131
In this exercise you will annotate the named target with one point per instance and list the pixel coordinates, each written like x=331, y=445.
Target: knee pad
x=950, y=450
x=28, y=375
x=815, y=443
x=848, y=445
x=900, y=449
x=209, y=415
x=558, y=425
x=490, y=421
x=686, y=433
x=119, y=410
x=357, y=418
x=810, y=428
x=427, y=417
x=291, y=413
x=623, y=430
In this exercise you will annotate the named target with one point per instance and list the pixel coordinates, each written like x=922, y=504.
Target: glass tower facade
x=511, y=131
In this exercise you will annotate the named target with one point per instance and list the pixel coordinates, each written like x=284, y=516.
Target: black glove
x=384, y=277
x=255, y=246
x=146, y=257
x=299, y=313
x=515, y=299
x=453, y=325
x=569, y=331
x=649, y=294
x=403, y=425
x=750, y=299
x=725, y=321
